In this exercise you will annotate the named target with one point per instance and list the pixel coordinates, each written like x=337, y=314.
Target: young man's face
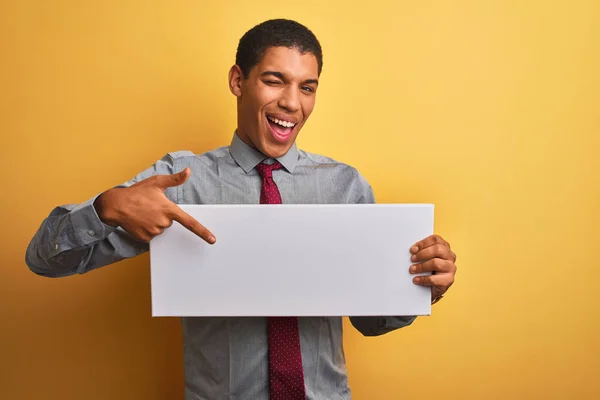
x=276, y=99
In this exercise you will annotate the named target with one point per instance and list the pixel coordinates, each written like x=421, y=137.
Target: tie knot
x=266, y=170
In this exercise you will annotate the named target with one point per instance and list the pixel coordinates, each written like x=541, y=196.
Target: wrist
x=436, y=298
x=106, y=209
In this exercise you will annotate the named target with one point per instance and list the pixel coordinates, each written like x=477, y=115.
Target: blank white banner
x=292, y=260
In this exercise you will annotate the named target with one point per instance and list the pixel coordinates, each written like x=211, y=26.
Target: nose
x=290, y=99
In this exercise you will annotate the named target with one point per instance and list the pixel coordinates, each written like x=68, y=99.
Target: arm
x=377, y=325
x=73, y=239
x=115, y=225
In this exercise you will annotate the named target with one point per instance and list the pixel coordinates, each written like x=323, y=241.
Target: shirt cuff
x=87, y=226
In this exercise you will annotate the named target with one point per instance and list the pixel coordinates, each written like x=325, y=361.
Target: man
x=275, y=80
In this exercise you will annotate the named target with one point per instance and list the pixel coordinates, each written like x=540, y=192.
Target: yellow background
x=489, y=109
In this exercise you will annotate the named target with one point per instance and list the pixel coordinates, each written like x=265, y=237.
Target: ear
x=235, y=80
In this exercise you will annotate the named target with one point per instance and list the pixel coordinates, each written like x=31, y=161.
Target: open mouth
x=281, y=129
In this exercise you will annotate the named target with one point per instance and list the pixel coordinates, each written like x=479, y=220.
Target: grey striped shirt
x=225, y=358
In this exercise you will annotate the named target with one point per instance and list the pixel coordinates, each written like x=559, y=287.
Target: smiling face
x=276, y=99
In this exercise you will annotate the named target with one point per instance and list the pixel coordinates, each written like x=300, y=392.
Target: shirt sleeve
x=73, y=239
x=376, y=325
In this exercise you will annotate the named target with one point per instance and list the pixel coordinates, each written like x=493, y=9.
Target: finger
x=142, y=236
x=433, y=265
x=428, y=242
x=147, y=234
x=164, y=222
x=155, y=231
x=437, y=250
x=138, y=233
x=164, y=181
x=440, y=281
x=188, y=222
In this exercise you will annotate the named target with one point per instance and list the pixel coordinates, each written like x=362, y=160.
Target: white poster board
x=292, y=260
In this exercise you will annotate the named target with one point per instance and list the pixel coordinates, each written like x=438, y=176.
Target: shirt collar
x=248, y=157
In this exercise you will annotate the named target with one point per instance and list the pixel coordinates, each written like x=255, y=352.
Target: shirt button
x=56, y=246
x=91, y=233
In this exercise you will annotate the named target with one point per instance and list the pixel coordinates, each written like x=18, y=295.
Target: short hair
x=275, y=33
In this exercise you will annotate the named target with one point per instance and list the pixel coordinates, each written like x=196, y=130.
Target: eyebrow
x=280, y=76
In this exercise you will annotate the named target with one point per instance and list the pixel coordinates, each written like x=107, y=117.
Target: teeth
x=282, y=123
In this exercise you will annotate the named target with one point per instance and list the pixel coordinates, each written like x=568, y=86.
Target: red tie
x=286, y=377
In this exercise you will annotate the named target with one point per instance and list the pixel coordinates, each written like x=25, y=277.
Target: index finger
x=188, y=222
x=427, y=242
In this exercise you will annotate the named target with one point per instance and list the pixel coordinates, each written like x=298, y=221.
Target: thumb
x=176, y=179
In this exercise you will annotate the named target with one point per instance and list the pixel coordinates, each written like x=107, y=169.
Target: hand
x=433, y=254
x=144, y=211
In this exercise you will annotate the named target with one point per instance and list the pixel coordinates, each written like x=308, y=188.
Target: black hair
x=274, y=33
